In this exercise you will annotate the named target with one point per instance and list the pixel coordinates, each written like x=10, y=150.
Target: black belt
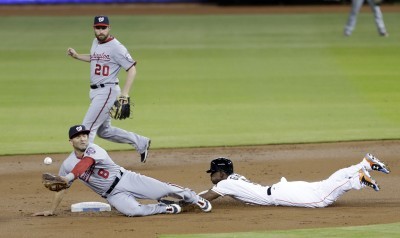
x=116, y=181
x=269, y=191
x=102, y=85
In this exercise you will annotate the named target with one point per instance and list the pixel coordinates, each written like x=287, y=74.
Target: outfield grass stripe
x=372, y=231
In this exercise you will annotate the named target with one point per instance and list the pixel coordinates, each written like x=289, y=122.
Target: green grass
x=386, y=230
x=207, y=80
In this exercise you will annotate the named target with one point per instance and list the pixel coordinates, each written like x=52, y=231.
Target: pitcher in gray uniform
x=355, y=8
x=93, y=166
x=107, y=56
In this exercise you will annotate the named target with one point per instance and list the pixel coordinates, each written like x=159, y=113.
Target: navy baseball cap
x=76, y=130
x=219, y=164
x=101, y=21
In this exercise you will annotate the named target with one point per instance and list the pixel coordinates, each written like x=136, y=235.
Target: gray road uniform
x=122, y=187
x=106, y=60
x=355, y=9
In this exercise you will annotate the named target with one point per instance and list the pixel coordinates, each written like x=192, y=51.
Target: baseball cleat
x=173, y=209
x=204, y=204
x=376, y=164
x=384, y=34
x=145, y=154
x=365, y=179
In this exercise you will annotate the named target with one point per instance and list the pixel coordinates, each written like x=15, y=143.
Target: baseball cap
x=101, y=21
x=77, y=129
x=221, y=163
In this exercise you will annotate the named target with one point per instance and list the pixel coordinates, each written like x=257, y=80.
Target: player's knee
x=99, y=134
x=102, y=133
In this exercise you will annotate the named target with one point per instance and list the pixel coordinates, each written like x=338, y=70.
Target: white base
x=90, y=207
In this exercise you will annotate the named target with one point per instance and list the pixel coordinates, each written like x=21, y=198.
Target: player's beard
x=102, y=37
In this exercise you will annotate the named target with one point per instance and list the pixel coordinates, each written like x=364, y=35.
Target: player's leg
x=326, y=192
x=101, y=101
x=353, y=177
x=352, y=20
x=316, y=194
x=143, y=187
x=127, y=205
x=118, y=135
x=378, y=18
x=368, y=163
x=346, y=173
x=98, y=120
x=340, y=182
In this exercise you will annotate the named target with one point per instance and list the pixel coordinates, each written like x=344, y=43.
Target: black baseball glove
x=121, y=108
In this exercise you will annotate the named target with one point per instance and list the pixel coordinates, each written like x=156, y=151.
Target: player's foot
x=173, y=209
x=145, y=154
x=346, y=33
x=365, y=179
x=204, y=204
x=376, y=164
x=384, y=34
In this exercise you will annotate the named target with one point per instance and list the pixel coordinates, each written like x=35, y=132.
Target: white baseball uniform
x=122, y=187
x=297, y=193
x=106, y=60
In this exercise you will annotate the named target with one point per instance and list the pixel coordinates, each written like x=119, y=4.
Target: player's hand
x=123, y=99
x=71, y=52
x=45, y=214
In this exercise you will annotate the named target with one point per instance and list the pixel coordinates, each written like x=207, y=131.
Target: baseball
x=47, y=160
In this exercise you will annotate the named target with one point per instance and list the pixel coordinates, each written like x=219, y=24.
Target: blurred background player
x=355, y=9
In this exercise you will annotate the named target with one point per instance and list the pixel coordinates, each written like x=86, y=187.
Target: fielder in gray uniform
x=294, y=193
x=355, y=9
x=107, y=56
x=93, y=166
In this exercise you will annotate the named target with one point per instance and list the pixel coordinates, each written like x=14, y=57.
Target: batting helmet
x=221, y=164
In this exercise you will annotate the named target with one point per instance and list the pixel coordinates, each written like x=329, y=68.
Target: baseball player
x=297, y=193
x=93, y=166
x=107, y=56
x=355, y=8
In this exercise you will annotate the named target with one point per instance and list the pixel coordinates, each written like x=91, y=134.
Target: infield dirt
x=23, y=193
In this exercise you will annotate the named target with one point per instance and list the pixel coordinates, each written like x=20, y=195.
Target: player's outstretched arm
x=209, y=195
x=58, y=196
x=83, y=57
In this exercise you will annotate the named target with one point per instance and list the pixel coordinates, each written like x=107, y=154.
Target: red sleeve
x=82, y=166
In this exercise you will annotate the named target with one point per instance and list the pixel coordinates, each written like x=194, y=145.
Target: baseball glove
x=121, y=108
x=167, y=201
x=54, y=182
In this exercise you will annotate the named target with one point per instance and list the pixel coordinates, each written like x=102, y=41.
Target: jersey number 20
x=102, y=70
